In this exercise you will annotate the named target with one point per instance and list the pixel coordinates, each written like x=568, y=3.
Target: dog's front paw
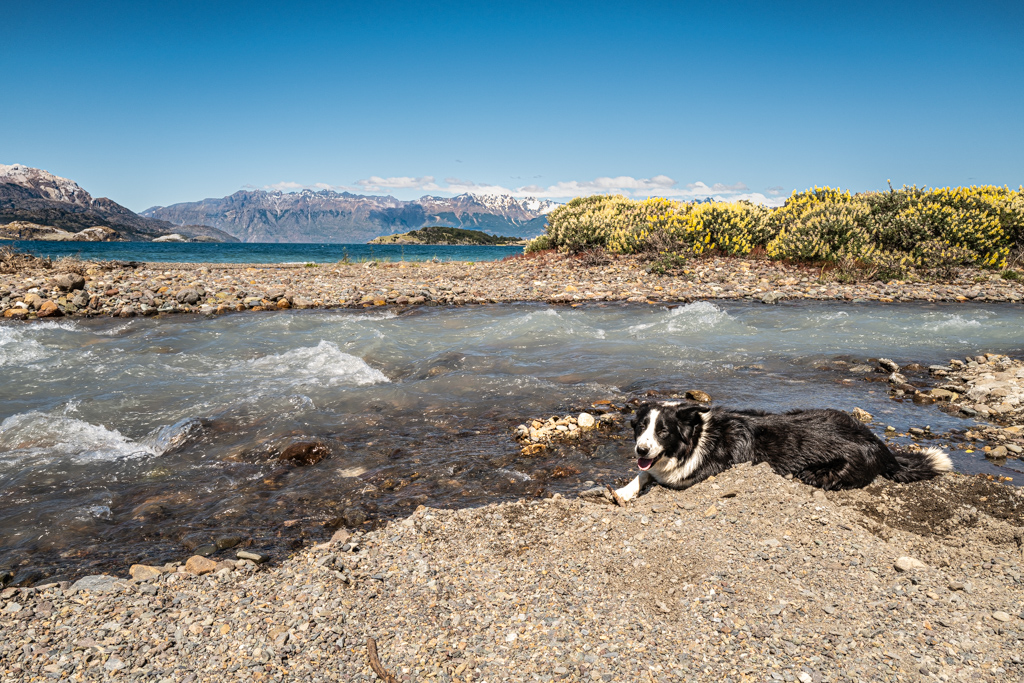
x=626, y=493
x=596, y=492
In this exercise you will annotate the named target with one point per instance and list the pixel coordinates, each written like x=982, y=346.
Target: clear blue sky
x=157, y=103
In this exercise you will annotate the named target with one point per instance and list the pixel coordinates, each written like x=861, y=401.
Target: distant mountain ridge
x=32, y=195
x=344, y=217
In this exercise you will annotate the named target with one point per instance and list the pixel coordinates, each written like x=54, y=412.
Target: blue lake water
x=121, y=439
x=201, y=252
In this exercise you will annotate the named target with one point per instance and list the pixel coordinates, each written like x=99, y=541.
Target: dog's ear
x=640, y=414
x=687, y=418
x=691, y=415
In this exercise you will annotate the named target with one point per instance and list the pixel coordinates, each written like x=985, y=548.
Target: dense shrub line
x=890, y=233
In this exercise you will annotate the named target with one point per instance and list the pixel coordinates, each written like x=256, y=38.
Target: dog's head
x=666, y=430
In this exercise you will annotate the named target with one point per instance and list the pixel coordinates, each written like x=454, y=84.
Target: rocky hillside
x=343, y=217
x=34, y=196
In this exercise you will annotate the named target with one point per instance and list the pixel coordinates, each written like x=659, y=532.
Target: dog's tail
x=926, y=463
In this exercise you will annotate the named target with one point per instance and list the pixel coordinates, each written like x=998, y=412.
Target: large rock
x=33, y=300
x=698, y=395
x=889, y=365
x=197, y=564
x=69, y=281
x=143, y=572
x=187, y=296
x=305, y=452
x=909, y=564
x=98, y=583
x=48, y=309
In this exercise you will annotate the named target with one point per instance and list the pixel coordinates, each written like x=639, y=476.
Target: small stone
x=711, y=511
x=1000, y=616
x=698, y=395
x=353, y=517
x=997, y=453
x=341, y=536
x=197, y=564
x=585, y=420
x=258, y=558
x=889, y=365
x=861, y=415
x=804, y=677
x=225, y=541
x=907, y=564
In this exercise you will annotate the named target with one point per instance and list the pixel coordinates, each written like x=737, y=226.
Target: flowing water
x=120, y=440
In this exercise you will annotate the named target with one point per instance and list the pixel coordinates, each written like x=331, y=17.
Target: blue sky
x=157, y=103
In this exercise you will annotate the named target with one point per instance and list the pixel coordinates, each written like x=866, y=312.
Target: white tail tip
x=937, y=459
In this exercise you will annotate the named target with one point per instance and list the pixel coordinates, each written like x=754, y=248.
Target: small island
x=440, y=235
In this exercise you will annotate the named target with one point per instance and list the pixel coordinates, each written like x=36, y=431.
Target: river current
x=125, y=441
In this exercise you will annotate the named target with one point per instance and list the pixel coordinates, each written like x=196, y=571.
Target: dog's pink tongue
x=644, y=463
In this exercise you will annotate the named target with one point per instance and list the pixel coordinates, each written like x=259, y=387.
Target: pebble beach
x=744, y=577
x=39, y=289
x=747, y=576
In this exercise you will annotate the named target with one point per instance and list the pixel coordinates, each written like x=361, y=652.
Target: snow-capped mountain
x=45, y=184
x=329, y=216
x=33, y=195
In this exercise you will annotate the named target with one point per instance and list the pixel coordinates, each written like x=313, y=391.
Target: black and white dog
x=679, y=445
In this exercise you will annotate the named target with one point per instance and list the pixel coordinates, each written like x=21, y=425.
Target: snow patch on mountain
x=45, y=183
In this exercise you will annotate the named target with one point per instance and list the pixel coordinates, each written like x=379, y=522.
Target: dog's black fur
x=824, y=448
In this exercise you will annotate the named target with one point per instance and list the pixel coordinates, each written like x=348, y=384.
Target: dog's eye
x=662, y=431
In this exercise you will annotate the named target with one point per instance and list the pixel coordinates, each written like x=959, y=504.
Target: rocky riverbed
x=744, y=577
x=40, y=289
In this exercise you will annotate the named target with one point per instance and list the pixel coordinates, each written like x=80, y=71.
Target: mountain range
x=33, y=200
x=335, y=217
x=36, y=197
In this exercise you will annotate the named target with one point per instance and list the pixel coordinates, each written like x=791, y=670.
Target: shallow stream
x=135, y=441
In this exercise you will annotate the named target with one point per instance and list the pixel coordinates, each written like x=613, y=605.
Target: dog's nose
x=642, y=451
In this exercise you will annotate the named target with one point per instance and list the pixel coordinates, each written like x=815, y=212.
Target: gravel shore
x=113, y=289
x=744, y=577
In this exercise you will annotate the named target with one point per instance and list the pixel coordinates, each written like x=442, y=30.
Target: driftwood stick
x=378, y=668
x=615, y=496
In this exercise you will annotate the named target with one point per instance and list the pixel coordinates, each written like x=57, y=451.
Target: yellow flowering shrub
x=826, y=232
x=894, y=231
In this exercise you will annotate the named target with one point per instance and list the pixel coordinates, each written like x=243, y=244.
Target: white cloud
x=638, y=188
x=376, y=183
x=287, y=186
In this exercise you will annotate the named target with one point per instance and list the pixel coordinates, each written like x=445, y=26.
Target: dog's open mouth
x=645, y=463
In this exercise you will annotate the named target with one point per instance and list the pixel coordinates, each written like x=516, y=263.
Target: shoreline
x=787, y=582
x=117, y=290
